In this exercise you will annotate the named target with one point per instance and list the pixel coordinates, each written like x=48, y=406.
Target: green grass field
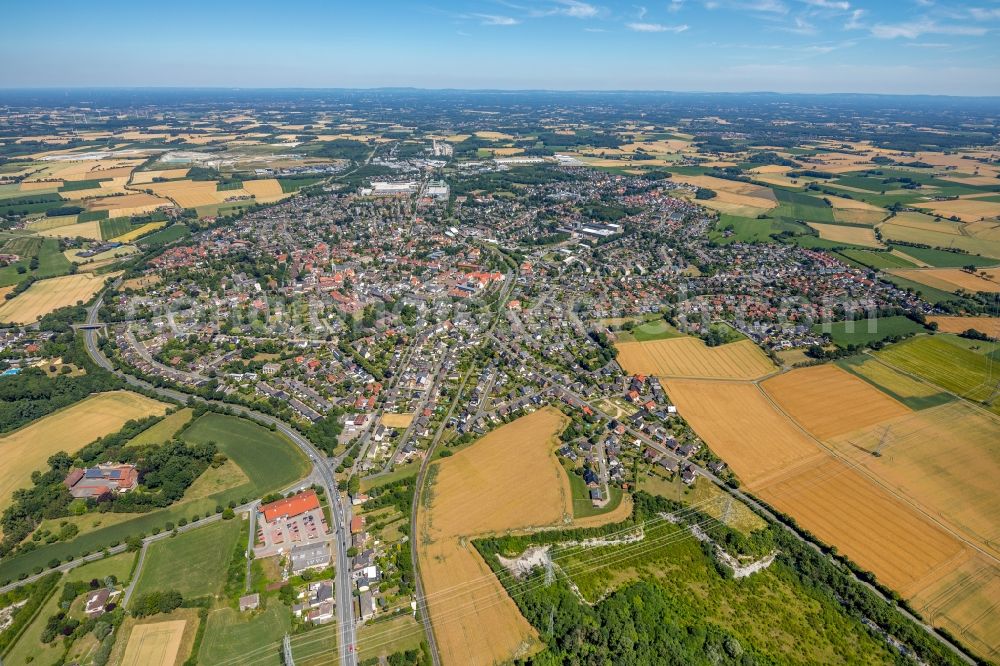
x=946, y=259
x=582, y=506
x=91, y=215
x=865, y=332
x=164, y=430
x=798, y=206
x=193, y=563
x=51, y=262
x=894, y=383
x=74, y=185
x=750, y=230
x=879, y=260
x=229, y=635
x=295, y=184
x=966, y=373
x=389, y=636
x=111, y=228
x=29, y=647
x=270, y=461
x=929, y=294
x=164, y=236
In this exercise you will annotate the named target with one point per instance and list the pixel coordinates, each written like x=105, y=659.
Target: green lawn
x=193, y=563
x=798, y=206
x=166, y=235
x=961, y=371
x=658, y=329
x=582, y=506
x=164, y=430
x=295, y=184
x=230, y=635
x=750, y=230
x=865, y=332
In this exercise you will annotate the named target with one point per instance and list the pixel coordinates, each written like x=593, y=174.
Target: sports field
x=45, y=296
x=391, y=420
x=828, y=401
x=988, y=325
x=193, y=563
x=26, y=450
x=154, y=644
x=510, y=479
x=690, y=357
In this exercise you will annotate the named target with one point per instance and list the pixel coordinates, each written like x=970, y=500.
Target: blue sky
x=900, y=46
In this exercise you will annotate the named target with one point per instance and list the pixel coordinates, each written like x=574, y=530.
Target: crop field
x=90, y=230
x=101, y=257
x=946, y=259
x=828, y=401
x=988, y=325
x=831, y=499
x=910, y=391
x=44, y=223
x=142, y=177
x=164, y=430
x=733, y=197
x=391, y=420
x=139, y=231
x=953, y=279
x=742, y=427
x=927, y=455
x=963, y=372
x=192, y=563
x=964, y=601
x=690, y=357
x=943, y=235
x=190, y=193
x=45, y=296
x=155, y=644
x=839, y=233
x=865, y=331
x=877, y=259
x=510, y=479
x=26, y=450
x=265, y=190
x=967, y=210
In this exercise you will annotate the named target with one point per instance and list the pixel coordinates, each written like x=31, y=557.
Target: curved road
x=346, y=626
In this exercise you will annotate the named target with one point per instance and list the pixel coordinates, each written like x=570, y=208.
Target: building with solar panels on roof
x=95, y=481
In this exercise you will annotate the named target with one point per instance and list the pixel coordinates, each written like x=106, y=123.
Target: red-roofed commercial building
x=291, y=506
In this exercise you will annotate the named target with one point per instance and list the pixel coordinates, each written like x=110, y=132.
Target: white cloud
x=656, y=27
x=854, y=23
x=577, y=9
x=675, y=5
x=923, y=26
x=641, y=11
x=841, y=5
x=494, y=19
x=984, y=14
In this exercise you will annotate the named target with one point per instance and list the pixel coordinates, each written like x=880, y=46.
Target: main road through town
x=322, y=465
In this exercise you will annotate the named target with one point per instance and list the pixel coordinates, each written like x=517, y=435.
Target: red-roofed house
x=290, y=506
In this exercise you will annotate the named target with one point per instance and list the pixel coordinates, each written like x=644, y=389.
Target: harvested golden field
x=858, y=216
x=844, y=507
x=923, y=221
x=946, y=234
x=828, y=401
x=44, y=223
x=391, y=420
x=265, y=191
x=988, y=325
x=928, y=457
x=44, y=296
x=142, y=177
x=953, y=279
x=139, y=232
x=35, y=186
x=838, y=233
x=155, y=644
x=26, y=450
x=191, y=193
x=128, y=204
x=494, y=136
x=690, y=357
x=963, y=600
x=508, y=480
x=967, y=210
x=732, y=196
x=741, y=426
x=90, y=230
